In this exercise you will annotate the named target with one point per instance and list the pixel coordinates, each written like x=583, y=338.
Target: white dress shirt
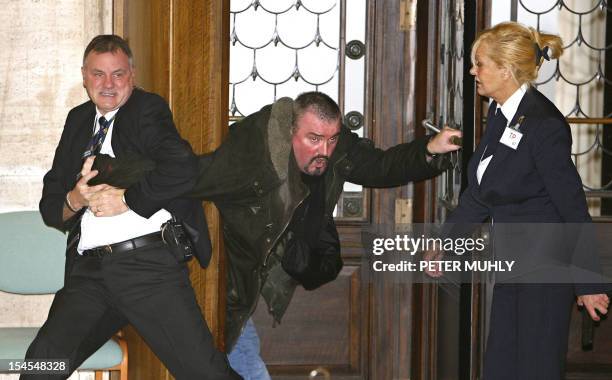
x=98, y=231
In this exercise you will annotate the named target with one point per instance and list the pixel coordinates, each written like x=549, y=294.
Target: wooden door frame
x=181, y=53
x=425, y=304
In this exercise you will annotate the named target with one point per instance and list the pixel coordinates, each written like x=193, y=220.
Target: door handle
x=429, y=125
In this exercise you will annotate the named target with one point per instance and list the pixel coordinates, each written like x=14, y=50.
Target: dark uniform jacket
x=535, y=198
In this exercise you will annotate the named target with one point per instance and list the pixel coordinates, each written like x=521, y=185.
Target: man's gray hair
x=105, y=43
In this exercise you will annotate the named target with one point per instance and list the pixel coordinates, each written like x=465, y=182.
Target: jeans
x=245, y=358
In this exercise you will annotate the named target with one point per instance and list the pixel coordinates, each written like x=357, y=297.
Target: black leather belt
x=124, y=246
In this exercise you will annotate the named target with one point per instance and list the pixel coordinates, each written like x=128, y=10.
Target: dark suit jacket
x=536, y=183
x=143, y=126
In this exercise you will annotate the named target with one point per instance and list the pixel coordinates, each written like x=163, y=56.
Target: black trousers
x=528, y=333
x=145, y=287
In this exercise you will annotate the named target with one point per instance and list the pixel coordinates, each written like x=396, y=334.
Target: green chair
x=32, y=262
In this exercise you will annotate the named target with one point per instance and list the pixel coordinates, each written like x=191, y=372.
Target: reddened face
x=108, y=78
x=314, y=141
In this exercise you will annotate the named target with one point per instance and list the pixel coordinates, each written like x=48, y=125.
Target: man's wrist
x=428, y=153
x=70, y=206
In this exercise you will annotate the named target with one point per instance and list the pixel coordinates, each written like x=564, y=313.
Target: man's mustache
x=312, y=160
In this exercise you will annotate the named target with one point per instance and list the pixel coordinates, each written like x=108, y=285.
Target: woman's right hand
x=433, y=269
x=594, y=303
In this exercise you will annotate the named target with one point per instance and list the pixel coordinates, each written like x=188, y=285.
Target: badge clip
x=518, y=123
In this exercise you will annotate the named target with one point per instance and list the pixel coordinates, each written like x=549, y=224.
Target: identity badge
x=511, y=138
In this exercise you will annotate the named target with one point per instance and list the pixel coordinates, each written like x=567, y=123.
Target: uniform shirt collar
x=511, y=105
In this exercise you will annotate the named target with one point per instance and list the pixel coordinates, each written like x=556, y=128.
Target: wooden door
x=449, y=318
x=356, y=327
x=181, y=54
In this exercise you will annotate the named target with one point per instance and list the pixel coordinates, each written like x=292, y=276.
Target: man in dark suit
x=119, y=269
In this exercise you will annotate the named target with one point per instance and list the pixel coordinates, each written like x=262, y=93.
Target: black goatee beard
x=316, y=171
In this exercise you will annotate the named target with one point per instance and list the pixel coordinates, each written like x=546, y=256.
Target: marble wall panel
x=41, y=52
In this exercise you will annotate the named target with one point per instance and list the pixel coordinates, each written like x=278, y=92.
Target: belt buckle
x=107, y=249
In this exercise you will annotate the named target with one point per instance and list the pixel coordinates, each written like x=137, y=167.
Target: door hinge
x=403, y=213
x=408, y=14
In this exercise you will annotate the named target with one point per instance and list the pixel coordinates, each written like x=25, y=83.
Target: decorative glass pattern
x=282, y=48
x=285, y=47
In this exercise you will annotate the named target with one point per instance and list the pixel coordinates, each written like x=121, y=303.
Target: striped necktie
x=95, y=144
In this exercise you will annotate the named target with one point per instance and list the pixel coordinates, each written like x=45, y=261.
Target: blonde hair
x=513, y=45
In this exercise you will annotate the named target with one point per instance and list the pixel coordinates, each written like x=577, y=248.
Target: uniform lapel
x=124, y=121
x=84, y=130
x=489, y=141
x=501, y=151
x=83, y=126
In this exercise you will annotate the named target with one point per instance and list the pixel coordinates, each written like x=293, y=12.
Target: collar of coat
x=279, y=136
